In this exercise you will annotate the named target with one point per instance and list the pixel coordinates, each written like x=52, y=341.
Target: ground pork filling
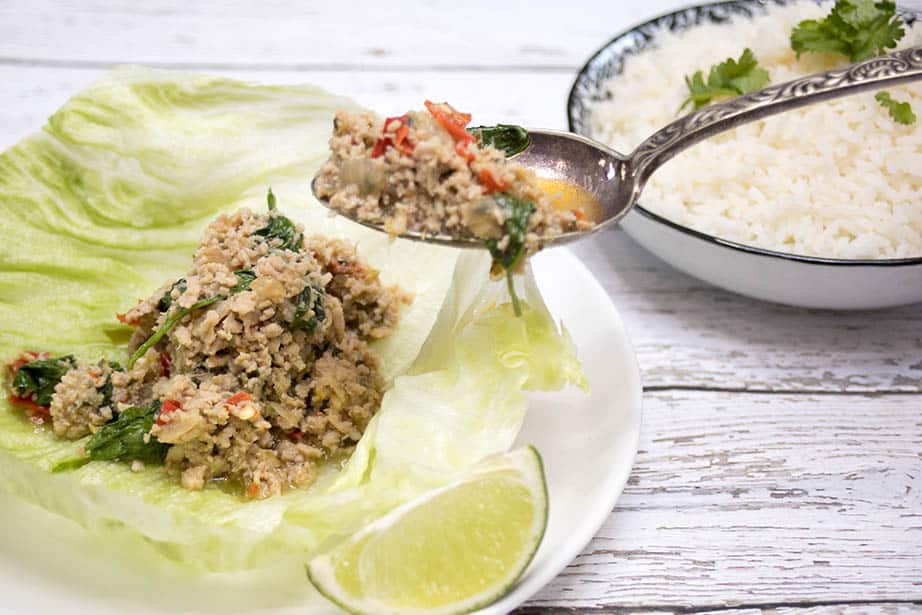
x=424, y=172
x=272, y=375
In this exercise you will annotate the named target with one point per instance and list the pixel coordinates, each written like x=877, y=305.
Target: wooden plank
x=761, y=499
x=690, y=334
x=364, y=35
x=686, y=333
x=867, y=608
x=34, y=93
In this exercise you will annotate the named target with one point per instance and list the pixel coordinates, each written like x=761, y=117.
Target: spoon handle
x=893, y=68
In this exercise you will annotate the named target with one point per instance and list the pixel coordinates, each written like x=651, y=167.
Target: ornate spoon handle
x=893, y=68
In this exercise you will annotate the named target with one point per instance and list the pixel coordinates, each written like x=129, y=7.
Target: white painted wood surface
x=781, y=455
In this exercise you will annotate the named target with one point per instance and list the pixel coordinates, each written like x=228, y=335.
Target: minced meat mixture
x=252, y=367
x=425, y=172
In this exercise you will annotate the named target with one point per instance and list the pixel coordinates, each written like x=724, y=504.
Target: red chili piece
x=380, y=147
x=31, y=407
x=26, y=357
x=491, y=182
x=36, y=412
x=167, y=408
x=462, y=150
x=165, y=365
x=238, y=397
x=453, y=121
x=400, y=140
x=344, y=266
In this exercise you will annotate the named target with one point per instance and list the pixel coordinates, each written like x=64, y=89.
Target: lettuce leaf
x=109, y=201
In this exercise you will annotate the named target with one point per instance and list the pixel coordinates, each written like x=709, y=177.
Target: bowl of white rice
x=818, y=207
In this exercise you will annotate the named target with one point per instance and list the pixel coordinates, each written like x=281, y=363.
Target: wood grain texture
x=540, y=35
x=761, y=499
x=690, y=334
x=808, y=608
x=35, y=93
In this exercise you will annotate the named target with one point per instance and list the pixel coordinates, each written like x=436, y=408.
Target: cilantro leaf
x=245, y=277
x=125, y=438
x=817, y=37
x=37, y=379
x=901, y=112
x=727, y=79
x=309, y=312
x=516, y=214
x=857, y=29
x=128, y=437
x=166, y=301
x=281, y=229
x=508, y=138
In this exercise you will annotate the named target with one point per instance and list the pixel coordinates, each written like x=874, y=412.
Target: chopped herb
x=508, y=138
x=168, y=324
x=106, y=391
x=128, y=438
x=37, y=379
x=125, y=438
x=309, y=312
x=166, y=301
x=856, y=29
x=281, y=229
x=727, y=79
x=106, y=388
x=901, y=112
x=516, y=213
x=510, y=285
x=245, y=277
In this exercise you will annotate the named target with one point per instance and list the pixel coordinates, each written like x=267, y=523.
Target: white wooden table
x=780, y=463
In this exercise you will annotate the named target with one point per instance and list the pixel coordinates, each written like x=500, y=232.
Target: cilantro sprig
x=516, y=213
x=727, y=79
x=901, y=112
x=857, y=29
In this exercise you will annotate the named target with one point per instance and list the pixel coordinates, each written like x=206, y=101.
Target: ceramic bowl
x=791, y=279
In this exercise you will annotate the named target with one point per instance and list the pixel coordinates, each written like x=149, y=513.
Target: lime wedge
x=452, y=550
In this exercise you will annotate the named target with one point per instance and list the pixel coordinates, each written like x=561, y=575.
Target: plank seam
x=292, y=66
x=873, y=393
x=687, y=610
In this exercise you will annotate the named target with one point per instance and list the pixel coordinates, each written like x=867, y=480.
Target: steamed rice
x=838, y=179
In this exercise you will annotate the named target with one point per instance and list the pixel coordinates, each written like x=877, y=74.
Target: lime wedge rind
x=524, y=464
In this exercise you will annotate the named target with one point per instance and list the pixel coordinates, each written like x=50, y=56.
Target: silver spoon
x=616, y=180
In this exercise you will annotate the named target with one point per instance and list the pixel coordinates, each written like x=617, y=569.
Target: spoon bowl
x=552, y=154
x=599, y=170
x=616, y=180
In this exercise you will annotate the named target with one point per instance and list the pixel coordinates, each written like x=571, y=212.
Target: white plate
x=50, y=565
